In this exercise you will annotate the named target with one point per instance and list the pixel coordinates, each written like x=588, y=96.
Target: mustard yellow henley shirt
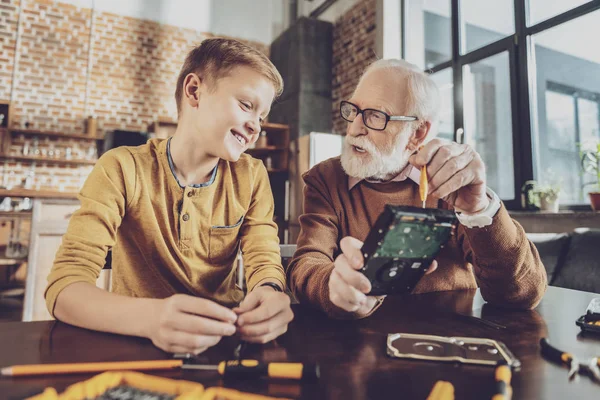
x=168, y=239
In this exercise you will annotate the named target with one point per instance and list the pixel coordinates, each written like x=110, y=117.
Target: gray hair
x=423, y=93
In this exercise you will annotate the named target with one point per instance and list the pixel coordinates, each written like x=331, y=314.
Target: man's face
x=368, y=153
x=230, y=112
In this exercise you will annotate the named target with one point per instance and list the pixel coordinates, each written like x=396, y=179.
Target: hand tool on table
x=442, y=390
x=589, y=366
x=227, y=369
x=503, y=376
x=423, y=183
x=241, y=284
x=255, y=369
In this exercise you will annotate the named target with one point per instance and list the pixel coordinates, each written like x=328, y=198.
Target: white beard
x=374, y=164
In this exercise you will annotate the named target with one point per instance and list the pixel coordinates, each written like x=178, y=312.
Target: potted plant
x=548, y=195
x=590, y=162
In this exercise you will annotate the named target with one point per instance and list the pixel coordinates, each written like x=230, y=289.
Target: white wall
x=257, y=20
x=332, y=13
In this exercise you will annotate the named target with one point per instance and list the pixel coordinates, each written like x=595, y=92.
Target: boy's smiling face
x=226, y=114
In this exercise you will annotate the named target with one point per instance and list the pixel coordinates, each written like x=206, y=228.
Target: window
x=564, y=101
x=485, y=21
x=445, y=126
x=519, y=79
x=488, y=119
x=540, y=10
x=571, y=120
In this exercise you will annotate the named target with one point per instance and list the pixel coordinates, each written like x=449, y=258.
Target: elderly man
x=389, y=118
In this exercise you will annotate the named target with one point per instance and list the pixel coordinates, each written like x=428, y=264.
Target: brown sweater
x=497, y=258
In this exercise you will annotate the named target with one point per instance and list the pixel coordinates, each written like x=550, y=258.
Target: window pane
x=488, y=120
x=562, y=155
x=445, y=128
x=540, y=10
x=560, y=111
x=565, y=102
x=428, y=32
x=485, y=21
x=589, y=131
x=437, y=32
x=588, y=114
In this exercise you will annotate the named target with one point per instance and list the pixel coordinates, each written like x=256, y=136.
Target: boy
x=175, y=212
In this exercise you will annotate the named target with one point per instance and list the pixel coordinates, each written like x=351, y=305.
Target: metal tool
x=241, y=284
x=577, y=367
x=465, y=350
x=254, y=369
x=423, y=184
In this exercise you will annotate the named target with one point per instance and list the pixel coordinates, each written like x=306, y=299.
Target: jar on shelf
x=91, y=126
x=261, y=142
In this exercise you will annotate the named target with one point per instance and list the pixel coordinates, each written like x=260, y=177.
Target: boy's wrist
x=272, y=285
x=147, y=310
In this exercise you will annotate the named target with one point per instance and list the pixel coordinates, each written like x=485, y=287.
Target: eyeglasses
x=374, y=119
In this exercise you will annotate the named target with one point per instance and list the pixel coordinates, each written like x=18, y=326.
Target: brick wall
x=50, y=80
x=73, y=62
x=353, y=50
x=9, y=14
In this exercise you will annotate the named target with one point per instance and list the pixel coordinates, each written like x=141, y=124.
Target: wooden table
x=351, y=353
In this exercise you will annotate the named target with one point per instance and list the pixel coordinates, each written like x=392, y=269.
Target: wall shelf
x=46, y=194
x=272, y=126
x=264, y=150
x=33, y=132
x=48, y=160
x=15, y=214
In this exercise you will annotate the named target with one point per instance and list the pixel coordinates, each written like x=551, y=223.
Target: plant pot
x=549, y=205
x=595, y=200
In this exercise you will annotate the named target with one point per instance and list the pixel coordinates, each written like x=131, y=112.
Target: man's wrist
x=483, y=207
x=484, y=217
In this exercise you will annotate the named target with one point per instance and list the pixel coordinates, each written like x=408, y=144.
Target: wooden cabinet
x=49, y=223
x=162, y=128
x=273, y=150
x=306, y=152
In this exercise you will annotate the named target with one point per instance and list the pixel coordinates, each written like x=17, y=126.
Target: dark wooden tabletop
x=352, y=354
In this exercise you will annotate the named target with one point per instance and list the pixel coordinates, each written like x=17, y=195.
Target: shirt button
x=186, y=217
x=190, y=194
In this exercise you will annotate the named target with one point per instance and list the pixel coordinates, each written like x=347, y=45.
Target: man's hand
x=263, y=315
x=348, y=286
x=187, y=324
x=455, y=173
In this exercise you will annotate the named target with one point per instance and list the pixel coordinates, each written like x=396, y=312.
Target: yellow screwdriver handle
x=254, y=369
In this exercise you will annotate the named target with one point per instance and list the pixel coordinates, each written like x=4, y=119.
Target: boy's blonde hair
x=215, y=58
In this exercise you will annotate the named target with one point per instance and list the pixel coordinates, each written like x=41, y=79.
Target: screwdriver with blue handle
x=242, y=369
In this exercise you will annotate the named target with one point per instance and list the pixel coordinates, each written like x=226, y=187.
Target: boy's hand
x=263, y=315
x=187, y=324
x=348, y=286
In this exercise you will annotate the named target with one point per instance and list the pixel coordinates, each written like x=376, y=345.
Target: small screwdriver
x=442, y=390
x=423, y=184
x=254, y=369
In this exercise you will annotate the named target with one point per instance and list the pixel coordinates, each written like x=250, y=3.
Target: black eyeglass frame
x=388, y=117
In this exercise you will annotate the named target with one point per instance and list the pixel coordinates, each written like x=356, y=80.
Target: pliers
x=590, y=366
